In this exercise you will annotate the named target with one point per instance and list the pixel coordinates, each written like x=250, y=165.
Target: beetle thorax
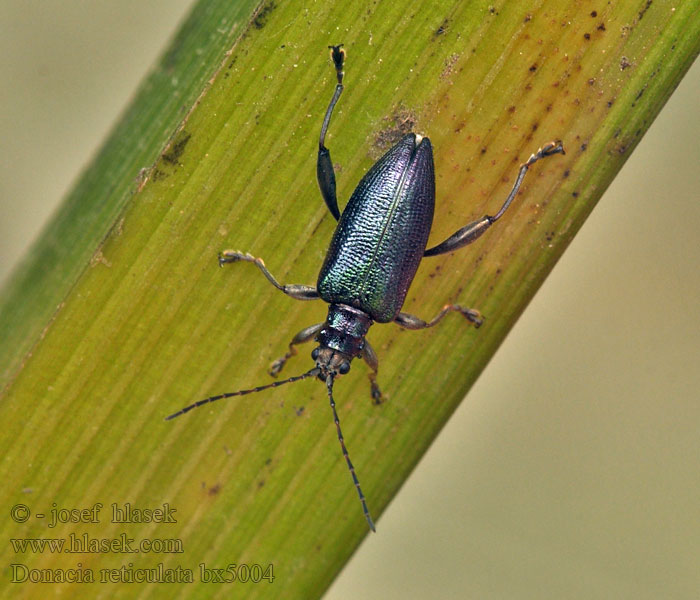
x=341, y=339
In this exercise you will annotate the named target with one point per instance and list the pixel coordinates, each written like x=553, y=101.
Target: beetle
x=380, y=240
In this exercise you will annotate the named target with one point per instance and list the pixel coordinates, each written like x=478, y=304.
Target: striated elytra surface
x=382, y=233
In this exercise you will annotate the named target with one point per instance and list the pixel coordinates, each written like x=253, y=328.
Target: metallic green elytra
x=371, y=268
x=373, y=256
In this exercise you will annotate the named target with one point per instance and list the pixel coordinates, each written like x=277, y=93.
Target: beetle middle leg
x=408, y=321
x=324, y=166
x=299, y=292
x=305, y=335
x=473, y=230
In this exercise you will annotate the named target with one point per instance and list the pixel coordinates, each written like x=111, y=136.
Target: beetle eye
x=344, y=368
x=314, y=353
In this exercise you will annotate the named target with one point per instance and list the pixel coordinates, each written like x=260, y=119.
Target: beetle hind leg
x=474, y=230
x=324, y=166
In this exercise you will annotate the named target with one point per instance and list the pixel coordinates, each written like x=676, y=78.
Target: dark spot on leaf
x=177, y=148
x=586, y=36
x=158, y=175
x=263, y=15
x=442, y=29
x=594, y=14
x=645, y=9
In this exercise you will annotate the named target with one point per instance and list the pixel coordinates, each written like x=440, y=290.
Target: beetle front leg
x=412, y=322
x=324, y=166
x=370, y=357
x=299, y=292
x=474, y=230
x=305, y=335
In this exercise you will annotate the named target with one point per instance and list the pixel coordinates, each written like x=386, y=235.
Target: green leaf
x=149, y=324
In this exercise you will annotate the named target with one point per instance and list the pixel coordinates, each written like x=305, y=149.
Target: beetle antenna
x=329, y=386
x=312, y=373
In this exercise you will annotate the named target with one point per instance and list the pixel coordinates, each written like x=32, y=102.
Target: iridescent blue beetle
x=372, y=259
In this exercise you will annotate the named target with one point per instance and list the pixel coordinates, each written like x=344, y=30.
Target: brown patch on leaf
x=396, y=125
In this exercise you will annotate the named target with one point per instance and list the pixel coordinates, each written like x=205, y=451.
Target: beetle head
x=330, y=363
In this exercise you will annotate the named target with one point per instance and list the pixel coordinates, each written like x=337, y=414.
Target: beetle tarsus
x=277, y=365
x=232, y=256
x=544, y=151
x=338, y=58
x=377, y=397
